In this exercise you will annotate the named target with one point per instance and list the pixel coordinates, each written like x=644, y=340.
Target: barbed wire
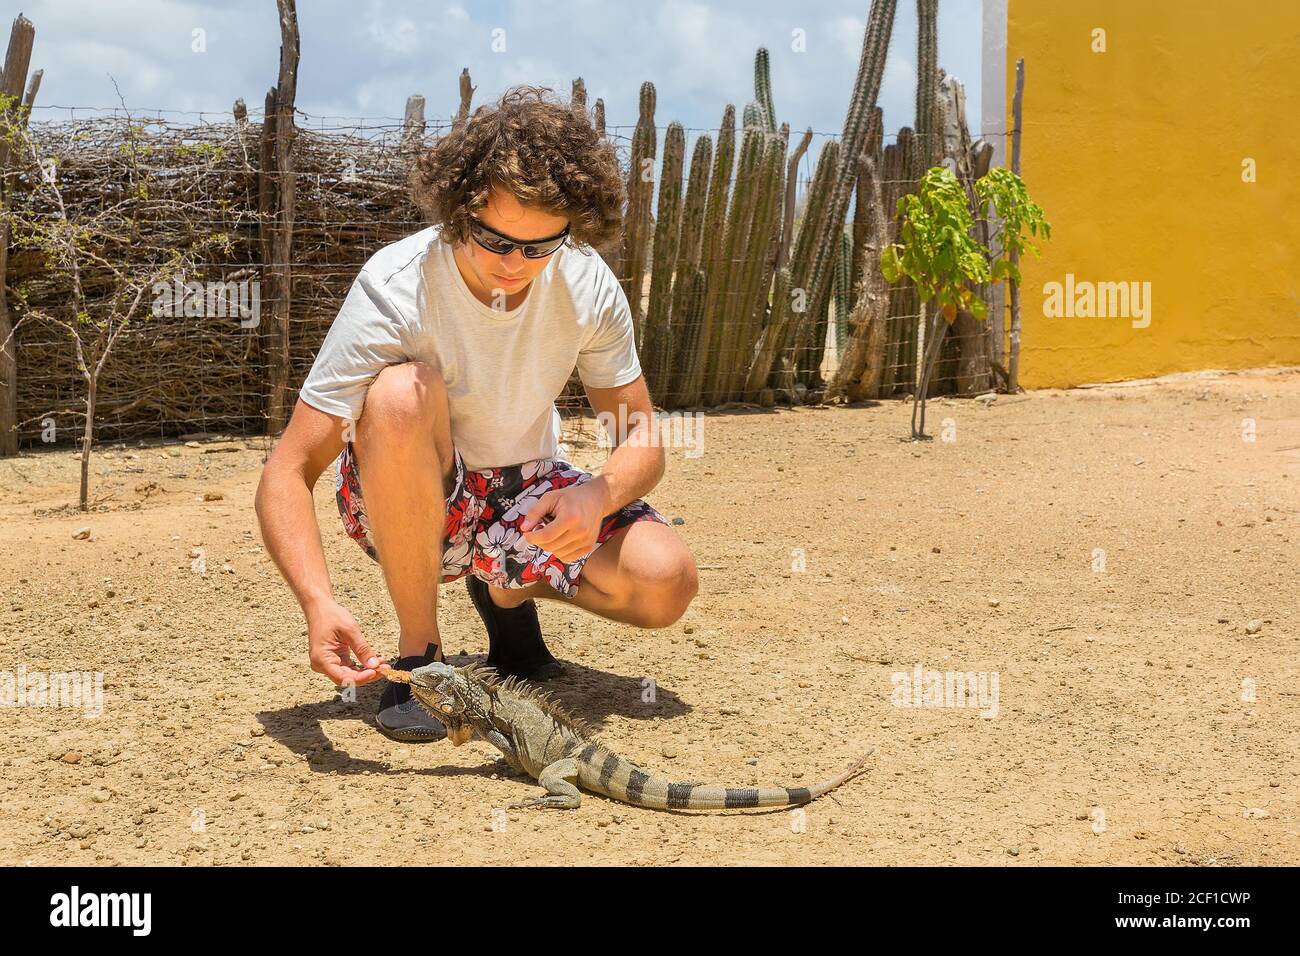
x=398, y=123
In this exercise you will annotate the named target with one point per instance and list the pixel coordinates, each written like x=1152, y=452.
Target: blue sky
x=362, y=58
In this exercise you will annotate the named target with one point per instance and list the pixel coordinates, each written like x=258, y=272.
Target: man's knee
x=403, y=398
x=663, y=599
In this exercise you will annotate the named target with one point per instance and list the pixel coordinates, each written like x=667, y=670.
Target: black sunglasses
x=496, y=243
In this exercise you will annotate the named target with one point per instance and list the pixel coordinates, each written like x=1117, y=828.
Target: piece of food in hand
x=394, y=675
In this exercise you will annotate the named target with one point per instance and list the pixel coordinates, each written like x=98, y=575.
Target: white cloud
x=366, y=59
x=402, y=36
x=849, y=32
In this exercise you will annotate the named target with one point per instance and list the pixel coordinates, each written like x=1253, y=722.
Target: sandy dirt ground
x=1121, y=560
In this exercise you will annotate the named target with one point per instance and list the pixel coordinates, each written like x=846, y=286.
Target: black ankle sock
x=396, y=693
x=515, y=644
x=518, y=647
x=520, y=612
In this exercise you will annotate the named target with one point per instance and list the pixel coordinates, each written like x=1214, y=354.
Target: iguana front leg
x=507, y=748
x=560, y=780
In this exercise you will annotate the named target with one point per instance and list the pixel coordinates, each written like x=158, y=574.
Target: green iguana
x=539, y=738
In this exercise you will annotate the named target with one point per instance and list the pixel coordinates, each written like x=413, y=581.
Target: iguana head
x=473, y=699
x=439, y=692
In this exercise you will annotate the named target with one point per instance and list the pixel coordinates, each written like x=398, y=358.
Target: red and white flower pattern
x=481, y=533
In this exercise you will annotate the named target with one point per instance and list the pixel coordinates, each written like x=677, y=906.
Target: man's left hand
x=575, y=514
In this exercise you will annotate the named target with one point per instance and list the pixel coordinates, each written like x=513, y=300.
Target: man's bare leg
x=642, y=575
x=403, y=438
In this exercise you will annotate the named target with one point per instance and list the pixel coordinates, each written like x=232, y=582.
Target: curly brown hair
x=541, y=150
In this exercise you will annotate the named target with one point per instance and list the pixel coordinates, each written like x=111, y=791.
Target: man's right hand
x=333, y=638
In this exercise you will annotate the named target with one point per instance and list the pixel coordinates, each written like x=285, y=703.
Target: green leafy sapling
x=942, y=259
x=1003, y=193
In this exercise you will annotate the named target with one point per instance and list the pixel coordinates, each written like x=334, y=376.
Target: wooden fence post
x=466, y=99
x=281, y=263
x=1013, y=362
x=969, y=336
x=17, y=59
x=413, y=125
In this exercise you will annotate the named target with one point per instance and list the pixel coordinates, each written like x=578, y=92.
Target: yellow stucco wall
x=1136, y=156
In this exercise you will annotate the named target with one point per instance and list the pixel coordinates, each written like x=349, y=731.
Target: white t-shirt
x=503, y=369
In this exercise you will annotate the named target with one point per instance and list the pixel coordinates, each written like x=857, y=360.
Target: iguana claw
x=551, y=801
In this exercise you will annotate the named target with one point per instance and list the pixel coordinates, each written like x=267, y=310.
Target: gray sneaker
x=409, y=723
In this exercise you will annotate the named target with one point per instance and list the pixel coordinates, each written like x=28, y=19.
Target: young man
x=435, y=391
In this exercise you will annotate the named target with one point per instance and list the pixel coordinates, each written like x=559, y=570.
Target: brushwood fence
x=174, y=373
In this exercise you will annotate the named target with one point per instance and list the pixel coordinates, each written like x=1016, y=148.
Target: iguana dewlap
x=538, y=737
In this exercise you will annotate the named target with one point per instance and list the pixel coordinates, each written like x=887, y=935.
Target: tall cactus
x=640, y=190
x=763, y=87
x=843, y=271
x=689, y=249
x=756, y=264
x=771, y=262
x=729, y=284
x=863, y=200
x=611, y=252
x=804, y=264
x=929, y=133
x=681, y=341
x=690, y=295
x=789, y=321
x=897, y=180
x=791, y=182
x=664, y=251
x=715, y=221
x=773, y=252
x=578, y=98
x=866, y=89
x=761, y=367
x=715, y=210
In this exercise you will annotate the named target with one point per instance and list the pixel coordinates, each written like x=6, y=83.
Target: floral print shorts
x=481, y=534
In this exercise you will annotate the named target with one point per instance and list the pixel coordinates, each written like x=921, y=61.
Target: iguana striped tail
x=606, y=773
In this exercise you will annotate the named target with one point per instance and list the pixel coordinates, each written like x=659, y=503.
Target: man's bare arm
x=635, y=467
x=637, y=463
x=287, y=516
x=285, y=509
